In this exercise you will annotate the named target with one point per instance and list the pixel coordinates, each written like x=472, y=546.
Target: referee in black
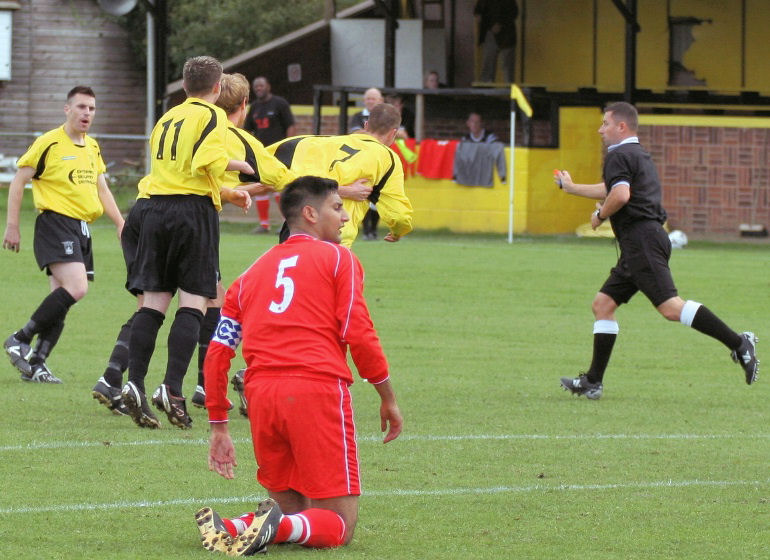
x=632, y=201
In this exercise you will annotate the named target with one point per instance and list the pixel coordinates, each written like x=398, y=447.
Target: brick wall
x=714, y=178
x=60, y=44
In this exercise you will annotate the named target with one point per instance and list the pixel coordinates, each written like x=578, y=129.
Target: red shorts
x=304, y=436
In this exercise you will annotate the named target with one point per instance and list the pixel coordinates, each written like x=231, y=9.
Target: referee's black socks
x=700, y=317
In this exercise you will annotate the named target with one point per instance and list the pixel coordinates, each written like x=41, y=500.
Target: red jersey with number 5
x=296, y=310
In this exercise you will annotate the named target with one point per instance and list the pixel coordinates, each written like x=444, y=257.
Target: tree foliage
x=222, y=28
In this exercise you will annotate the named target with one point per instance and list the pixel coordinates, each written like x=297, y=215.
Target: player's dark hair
x=200, y=74
x=384, y=118
x=235, y=88
x=304, y=191
x=85, y=90
x=624, y=112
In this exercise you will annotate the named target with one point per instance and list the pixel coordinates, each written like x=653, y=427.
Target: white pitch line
x=36, y=446
x=662, y=484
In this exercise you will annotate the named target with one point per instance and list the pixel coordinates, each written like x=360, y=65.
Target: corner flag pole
x=517, y=97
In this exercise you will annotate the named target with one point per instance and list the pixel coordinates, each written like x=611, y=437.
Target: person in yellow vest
x=69, y=187
x=355, y=156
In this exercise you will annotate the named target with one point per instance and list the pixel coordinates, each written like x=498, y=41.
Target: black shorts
x=59, y=238
x=177, y=246
x=129, y=239
x=643, y=265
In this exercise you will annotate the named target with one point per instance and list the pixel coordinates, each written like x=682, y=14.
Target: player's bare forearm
x=359, y=190
x=255, y=189
x=390, y=415
x=237, y=197
x=221, y=451
x=237, y=165
x=109, y=204
x=12, y=236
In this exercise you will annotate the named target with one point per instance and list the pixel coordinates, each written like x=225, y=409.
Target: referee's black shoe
x=746, y=355
x=581, y=386
x=174, y=407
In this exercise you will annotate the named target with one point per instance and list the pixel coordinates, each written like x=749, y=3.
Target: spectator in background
x=372, y=97
x=497, y=35
x=407, y=116
x=432, y=81
x=477, y=132
x=270, y=120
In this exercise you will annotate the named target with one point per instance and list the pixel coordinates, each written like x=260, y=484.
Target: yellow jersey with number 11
x=188, y=151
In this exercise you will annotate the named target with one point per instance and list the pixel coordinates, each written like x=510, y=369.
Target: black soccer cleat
x=138, y=407
x=174, y=407
x=746, y=355
x=261, y=532
x=40, y=374
x=237, y=382
x=18, y=352
x=214, y=534
x=109, y=396
x=581, y=386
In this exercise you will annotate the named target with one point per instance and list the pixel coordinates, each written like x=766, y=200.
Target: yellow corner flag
x=518, y=96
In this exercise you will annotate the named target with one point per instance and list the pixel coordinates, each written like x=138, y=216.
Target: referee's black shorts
x=59, y=238
x=643, y=265
x=177, y=246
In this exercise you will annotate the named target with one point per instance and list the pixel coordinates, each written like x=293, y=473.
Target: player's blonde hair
x=383, y=118
x=235, y=88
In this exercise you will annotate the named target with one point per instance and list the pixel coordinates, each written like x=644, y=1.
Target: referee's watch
x=598, y=215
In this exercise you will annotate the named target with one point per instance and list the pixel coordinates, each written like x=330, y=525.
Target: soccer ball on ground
x=678, y=239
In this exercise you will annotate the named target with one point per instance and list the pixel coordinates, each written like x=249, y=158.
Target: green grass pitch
x=495, y=460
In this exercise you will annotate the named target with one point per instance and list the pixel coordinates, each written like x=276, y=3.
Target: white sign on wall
x=358, y=53
x=6, y=31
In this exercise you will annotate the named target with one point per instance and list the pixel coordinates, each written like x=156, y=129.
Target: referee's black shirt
x=629, y=163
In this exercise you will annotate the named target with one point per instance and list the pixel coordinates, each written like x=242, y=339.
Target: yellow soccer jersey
x=188, y=151
x=65, y=175
x=346, y=159
x=268, y=170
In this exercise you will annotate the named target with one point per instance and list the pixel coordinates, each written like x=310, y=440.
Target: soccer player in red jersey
x=297, y=310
